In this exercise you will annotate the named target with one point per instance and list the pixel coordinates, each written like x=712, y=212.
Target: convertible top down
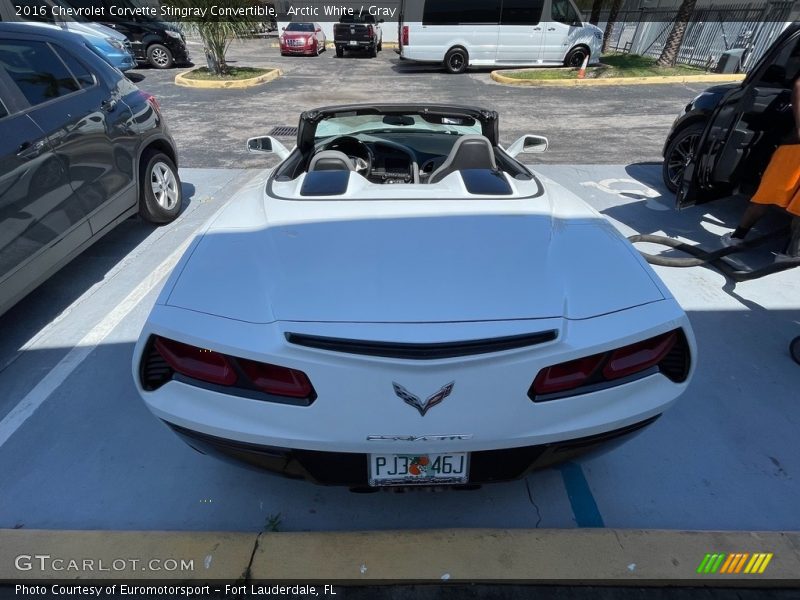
x=401, y=302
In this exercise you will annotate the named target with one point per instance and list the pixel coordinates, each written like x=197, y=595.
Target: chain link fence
x=710, y=32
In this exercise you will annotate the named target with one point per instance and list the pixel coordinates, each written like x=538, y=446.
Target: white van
x=463, y=33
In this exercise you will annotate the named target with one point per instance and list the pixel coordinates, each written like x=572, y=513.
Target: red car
x=302, y=38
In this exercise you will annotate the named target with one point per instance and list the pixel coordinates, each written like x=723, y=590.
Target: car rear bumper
x=350, y=469
x=355, y=45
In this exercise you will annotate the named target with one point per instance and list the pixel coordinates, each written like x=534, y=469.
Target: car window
x=522, y=12
x=785, y=67
x=300, y=27
x=36, y=69
x=563, y=12
x=455, y=12
x=80, y=72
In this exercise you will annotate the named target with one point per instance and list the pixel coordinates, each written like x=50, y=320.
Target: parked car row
x=463, y=33
x=124, y=42
x=81, y=149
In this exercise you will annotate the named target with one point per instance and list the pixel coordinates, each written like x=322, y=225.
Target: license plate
x=418, y=469
x=353, y=43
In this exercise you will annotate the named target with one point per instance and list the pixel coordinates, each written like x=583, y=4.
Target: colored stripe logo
x=734, y=563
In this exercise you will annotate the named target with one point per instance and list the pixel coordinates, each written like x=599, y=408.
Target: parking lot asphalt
x=598, y=125
x=78, y=449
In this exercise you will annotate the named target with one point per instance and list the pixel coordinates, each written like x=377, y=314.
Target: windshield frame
x=310, y=120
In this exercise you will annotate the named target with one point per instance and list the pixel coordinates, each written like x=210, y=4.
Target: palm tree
x=597, y=6
x=669, y=55
x=216, y=34
x=612, y=19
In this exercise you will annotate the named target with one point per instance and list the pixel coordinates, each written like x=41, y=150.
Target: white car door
x=562, y=27
x=521, y=32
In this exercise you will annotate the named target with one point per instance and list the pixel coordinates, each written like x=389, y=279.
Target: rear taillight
x=197, y=363
x=370, y=31
x=279, y=381
x=221, y=369
x=639, y=357
x=152, y=101
x=405, y=35
x=568, y=375
x=667, y=353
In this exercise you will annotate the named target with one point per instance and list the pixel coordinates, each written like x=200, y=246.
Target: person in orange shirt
x=780, y=186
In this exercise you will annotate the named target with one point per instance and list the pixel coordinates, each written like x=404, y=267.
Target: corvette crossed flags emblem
x=429, y=403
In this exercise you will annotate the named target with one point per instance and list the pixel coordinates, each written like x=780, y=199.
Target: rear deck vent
x=283, y=131
x=155, y=371
x=422, y=351
x=675, y=365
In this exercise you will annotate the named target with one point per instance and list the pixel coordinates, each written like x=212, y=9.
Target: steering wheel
x=356, y=150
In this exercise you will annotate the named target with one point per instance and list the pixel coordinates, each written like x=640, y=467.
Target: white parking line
x=50, y=383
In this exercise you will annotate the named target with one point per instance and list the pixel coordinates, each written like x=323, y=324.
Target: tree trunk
x=597, y=6
x=612, y=18
x=211, y=61
x=669, y=56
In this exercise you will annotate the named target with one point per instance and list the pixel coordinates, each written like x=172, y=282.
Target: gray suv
x=81, y=149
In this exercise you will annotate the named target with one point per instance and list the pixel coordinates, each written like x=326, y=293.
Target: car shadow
x=652, y=212
x=135, y=77
x=56, y=295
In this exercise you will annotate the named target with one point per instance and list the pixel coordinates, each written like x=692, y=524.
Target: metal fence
x=709, y=33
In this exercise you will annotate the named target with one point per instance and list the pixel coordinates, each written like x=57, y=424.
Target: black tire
x=316, y=49
x=678, y=151
x=373, y=51
x=456, y=61
x=160, y=195
x=794, y=349
x=339, y=52
x=159, y=57
x=576, y=56
x=380, y=45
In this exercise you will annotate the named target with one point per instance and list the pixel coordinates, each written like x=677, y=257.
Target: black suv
x=152, y=41
x=81, y=149
x=723, y=139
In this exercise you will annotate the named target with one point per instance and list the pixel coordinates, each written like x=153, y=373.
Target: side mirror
x=528, y=144
x=267, y=145
x=283, y=28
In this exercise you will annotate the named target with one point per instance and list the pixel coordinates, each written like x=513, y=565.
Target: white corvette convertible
x=401, y=302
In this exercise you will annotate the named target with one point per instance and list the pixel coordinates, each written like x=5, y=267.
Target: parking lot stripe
x=81, y=351
x=580, y=496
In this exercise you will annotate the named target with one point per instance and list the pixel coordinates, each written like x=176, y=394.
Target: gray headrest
x=469, y=152
x=331, y=160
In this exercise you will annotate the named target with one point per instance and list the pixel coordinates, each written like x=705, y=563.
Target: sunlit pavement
x=78, y=449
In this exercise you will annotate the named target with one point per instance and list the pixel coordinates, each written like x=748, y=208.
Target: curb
x=582, y=556
x=709, y=78
x=182, y=80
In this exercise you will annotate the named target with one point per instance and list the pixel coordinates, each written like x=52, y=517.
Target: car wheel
x=373, y=51
x=380, y=45
x=339, y=52
x=316, y=49
x=677, y=155
x=160, y=193
x=456, y=61
x=576, y=56
x=159, y=56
